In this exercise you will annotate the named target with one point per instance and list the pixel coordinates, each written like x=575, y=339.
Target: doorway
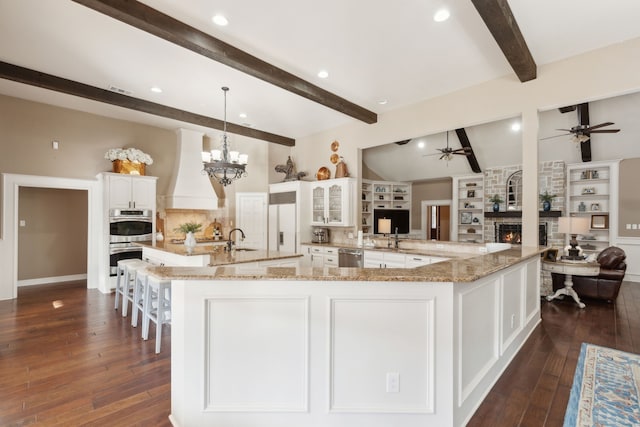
x=436, y=219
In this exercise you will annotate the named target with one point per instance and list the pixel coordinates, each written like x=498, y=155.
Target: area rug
x=605, y=390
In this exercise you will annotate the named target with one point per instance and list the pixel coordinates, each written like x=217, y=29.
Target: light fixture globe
x=223, y=165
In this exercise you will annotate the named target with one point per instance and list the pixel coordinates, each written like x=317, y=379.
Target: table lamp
x=573, y=225
x=384, y=227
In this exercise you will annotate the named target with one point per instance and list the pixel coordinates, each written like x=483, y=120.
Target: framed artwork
x=465, y=218
x=600, y=221
x=471, y=193
x=551, y=255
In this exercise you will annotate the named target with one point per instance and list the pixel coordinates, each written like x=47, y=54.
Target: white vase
x=190, y=241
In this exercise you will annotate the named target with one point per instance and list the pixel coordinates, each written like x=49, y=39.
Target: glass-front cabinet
x=331, y=202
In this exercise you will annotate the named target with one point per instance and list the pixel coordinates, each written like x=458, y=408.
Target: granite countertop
x=406, y=250
x=467, y=269
x=218, y=256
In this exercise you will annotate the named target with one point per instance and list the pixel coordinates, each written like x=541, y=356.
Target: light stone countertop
x=469, y=268
x=217, y=254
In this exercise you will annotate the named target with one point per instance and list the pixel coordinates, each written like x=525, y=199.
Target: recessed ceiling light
x=243, y=115
x=156, y=89
x=220, y=20
x=516, y=127
x=421, y=144
x=383, y=102
x=323, y=74
x=441, y=15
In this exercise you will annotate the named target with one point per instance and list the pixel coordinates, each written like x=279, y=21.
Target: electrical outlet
x=393, y=382
x=55, y=145
x=23, y=223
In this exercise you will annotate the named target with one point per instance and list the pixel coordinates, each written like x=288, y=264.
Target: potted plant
x=496, y=200
x=546, y=200
x=188, y=228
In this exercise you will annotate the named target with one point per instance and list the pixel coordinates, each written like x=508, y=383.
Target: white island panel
x=257, y=354
x=362, y=363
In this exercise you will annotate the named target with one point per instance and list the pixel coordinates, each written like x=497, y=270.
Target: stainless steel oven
x=127, y=226
x=130, y=225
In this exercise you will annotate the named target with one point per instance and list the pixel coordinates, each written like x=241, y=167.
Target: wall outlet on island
x=393, y=382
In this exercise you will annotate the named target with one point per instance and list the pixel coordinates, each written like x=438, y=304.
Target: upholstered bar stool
x=125, y=275
x=157, y=306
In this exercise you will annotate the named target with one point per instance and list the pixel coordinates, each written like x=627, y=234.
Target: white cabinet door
x=119, y=191
x=143, y=193
x=129, y=192
x=373, y=259
x=331, y=202
x=394, y=260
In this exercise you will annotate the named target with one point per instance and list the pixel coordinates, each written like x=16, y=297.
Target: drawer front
x=331, y=260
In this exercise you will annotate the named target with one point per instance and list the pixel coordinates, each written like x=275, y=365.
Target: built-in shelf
x=518, y=214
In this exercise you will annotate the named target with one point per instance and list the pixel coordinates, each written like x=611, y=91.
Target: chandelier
x=224, y=165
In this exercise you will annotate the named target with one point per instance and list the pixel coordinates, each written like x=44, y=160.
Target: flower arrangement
x=131, y=154
x=189, y=227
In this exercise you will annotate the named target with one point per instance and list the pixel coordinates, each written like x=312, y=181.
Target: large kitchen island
x=302, y=346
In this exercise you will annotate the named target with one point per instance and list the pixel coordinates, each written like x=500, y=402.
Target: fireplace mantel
x=518, y=214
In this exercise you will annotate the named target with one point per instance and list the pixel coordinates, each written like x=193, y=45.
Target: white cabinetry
x=592, y=193
x=320, y=256
x=379, y=259
x=468, y=209
x=130, y=191
x=160, y=257
x=332, y=202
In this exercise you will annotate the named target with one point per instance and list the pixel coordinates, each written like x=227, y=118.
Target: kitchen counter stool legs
x=125, y=276
x=157, y=307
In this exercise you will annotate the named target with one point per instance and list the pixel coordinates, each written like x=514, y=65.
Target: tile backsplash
x=172, y=218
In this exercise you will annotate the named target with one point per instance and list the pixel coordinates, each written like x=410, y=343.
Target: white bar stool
x=138, y=294
x=156, y=306
x=125, y=275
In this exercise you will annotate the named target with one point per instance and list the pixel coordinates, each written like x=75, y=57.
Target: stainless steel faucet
x=230, y=242
x=396, y=240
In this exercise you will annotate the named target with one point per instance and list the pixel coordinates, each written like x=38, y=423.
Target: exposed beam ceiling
x=59, y=84
x=498, y=17
x=471, y=157
x=164, y=26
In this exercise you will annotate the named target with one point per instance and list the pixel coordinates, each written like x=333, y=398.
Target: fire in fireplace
x=512, y=233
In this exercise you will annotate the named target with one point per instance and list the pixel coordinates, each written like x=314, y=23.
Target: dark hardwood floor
x=68, y=359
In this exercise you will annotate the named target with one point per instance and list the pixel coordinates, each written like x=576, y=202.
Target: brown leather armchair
x=606, y=285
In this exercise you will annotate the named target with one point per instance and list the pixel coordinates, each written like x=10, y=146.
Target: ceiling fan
x=447, y=153
x=583, y=132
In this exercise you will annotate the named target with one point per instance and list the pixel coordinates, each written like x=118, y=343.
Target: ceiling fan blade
x=555, y=136
x=566, y=130
x=604, y=131
x=600, y=125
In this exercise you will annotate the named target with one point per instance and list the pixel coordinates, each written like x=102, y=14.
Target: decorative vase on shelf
x=190, y=241
x=546, y=205
x=496, y=207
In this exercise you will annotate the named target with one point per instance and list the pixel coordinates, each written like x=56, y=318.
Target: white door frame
x=9, y=239
x=423, y=214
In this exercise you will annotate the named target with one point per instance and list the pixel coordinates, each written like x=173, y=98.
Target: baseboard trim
x=56, y=279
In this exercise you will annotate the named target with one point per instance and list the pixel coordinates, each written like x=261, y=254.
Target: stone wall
x=552, y=178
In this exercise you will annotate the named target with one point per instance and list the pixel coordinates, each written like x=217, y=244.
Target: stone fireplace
x=512, y=233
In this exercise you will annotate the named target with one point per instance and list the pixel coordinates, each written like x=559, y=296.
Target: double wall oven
x=127, y=226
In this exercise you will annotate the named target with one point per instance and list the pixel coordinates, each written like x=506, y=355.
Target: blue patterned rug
x=605, y=390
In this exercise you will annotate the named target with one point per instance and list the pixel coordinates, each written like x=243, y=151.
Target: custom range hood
x=190, y=188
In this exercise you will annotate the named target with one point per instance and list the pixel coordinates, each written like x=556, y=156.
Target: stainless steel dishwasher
x=350, y=258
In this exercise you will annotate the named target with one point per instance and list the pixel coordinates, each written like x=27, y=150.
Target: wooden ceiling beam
x=167, y=28
x=70, y=87
x=498, y=17
x=471, y=158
